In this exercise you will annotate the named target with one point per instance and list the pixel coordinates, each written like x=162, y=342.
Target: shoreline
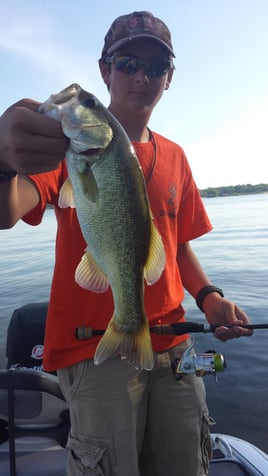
x=234, y=190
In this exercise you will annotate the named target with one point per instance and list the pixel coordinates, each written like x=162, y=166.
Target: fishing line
x=152, y=139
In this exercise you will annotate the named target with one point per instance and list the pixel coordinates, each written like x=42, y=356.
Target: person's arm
x=30, y=143
x=17, y=197
x=217, y=309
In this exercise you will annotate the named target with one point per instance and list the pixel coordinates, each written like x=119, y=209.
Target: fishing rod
x=180, y=328
x=207, y=363
x=176, y=328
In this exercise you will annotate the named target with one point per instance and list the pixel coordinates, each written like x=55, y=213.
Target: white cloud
x=237, y=155
x=30, y=35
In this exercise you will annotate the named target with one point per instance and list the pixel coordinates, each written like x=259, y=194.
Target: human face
x=139, y=91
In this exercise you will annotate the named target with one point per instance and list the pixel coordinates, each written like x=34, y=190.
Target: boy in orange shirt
x=124, y=421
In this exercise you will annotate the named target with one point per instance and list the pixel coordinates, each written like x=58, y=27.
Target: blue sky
x=217, y=105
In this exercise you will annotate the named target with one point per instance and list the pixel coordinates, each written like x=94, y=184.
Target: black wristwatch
x=204, y=292
x=7, y=176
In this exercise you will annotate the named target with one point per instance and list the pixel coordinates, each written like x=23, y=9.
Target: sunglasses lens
x=126, y=64
x=157, y=67
x=154, y=67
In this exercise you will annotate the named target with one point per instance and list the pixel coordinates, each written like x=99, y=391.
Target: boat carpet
x=224, y=468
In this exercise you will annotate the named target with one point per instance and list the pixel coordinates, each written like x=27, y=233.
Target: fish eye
x=90, y=103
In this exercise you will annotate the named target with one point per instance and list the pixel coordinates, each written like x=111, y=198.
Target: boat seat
x=25, y=336
x=34, y=424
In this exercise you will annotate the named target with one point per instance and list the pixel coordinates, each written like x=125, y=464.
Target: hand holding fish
x=221, y=310
x=31, y=143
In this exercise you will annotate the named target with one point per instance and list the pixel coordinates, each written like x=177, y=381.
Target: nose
x=141, y=76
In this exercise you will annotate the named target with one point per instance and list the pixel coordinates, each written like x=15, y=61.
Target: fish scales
x=106, y=185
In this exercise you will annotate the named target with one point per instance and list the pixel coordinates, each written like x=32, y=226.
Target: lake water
x=235, y=256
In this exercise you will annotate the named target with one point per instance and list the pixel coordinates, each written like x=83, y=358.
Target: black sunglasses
x=154, y=67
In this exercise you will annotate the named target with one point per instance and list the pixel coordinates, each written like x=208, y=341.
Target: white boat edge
x=250, y=457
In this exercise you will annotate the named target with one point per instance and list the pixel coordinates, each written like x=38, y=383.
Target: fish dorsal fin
x=89, y=275
x=156, y=259
x=66, y=196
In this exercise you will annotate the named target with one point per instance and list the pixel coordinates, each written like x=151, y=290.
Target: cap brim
x=124, y=41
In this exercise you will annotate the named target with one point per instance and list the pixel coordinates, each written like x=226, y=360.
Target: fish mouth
x=87, y=152
x=90, y=152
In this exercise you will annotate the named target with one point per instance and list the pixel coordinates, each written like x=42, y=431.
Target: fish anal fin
x=89, y=275
x=156, y=259
x=136, y=348
x=66, y=196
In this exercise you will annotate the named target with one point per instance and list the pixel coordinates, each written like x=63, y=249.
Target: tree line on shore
x=224, y=191
x=227, y=190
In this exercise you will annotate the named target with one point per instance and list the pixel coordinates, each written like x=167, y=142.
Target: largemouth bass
x=106, y=185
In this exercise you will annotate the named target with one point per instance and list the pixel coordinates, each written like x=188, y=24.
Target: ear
x=105, y=72
x=169, y=78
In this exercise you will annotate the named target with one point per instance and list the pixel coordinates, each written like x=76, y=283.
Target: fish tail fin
x=135, y=348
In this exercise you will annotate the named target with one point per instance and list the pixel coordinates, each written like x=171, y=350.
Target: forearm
x=192, y=274
x=17, y=197
x=7, y=203
x=194, y=279
x=217, y=309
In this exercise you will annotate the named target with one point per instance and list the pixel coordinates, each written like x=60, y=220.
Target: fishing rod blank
x=180, y=328
x=177, y=328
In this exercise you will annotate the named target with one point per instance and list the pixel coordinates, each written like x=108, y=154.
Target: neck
x=137, y=135
x=136, y=129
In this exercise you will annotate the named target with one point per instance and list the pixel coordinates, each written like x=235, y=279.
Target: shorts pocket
x=88, y=458
x=206, y=444
x=71, y=377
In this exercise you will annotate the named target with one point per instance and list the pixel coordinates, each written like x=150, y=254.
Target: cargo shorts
x=129, y=422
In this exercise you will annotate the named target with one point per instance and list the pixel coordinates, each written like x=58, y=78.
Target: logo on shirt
x=172, y=204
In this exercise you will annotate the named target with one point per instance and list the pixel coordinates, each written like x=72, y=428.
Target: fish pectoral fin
x=89, y=185
x=66, y=196
x=89, y=275
x=156, y=259
x=135, y=348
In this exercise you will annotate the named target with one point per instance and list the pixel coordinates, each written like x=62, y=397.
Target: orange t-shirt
x=179, y=215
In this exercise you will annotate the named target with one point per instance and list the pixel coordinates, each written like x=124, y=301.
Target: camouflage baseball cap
x=136, y=25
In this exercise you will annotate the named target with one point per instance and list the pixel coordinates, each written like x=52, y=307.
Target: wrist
x=203, y=293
